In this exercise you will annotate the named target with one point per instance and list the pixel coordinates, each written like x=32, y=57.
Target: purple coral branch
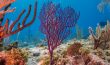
x=56, y=24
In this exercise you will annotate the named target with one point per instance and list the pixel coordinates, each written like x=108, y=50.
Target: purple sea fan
x=56, y=24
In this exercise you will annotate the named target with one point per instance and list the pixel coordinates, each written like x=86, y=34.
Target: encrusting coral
x=13, y=57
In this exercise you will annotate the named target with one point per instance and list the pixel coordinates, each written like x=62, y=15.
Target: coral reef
x=101, y=41
x=4, y=12
x=56, y=24
x=11, y=55
x=85, y=57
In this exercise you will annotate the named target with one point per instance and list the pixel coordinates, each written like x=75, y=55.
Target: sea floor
x=36, y=54
x=72, y=52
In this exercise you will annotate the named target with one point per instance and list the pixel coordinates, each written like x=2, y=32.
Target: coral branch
x=56, y=24
x=3, y=12
x=12, y=25
x=8, y=30
x=6, y=10
x=4, y=3
x=102, y=36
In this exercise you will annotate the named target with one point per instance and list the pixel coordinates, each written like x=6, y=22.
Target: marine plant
x=4, y=8
x=5, y=4
x=102, y=36
x=6, y=30
x=56, y=24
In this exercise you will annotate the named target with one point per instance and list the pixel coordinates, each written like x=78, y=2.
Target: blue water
x=89, y=16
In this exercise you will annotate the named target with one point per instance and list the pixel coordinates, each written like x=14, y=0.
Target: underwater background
x=89, y=17
x=54, y=32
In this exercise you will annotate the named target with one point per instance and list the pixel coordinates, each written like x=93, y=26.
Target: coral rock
x=74, y=49
x=14, y=57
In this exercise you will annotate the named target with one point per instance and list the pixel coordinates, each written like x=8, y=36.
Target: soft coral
x=4, y=3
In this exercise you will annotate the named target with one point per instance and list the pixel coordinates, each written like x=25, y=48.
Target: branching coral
x=4, y=3
x=4, y=12
x=7, y=30
x=102, y=36
x=14, y=56
x=56, y=24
